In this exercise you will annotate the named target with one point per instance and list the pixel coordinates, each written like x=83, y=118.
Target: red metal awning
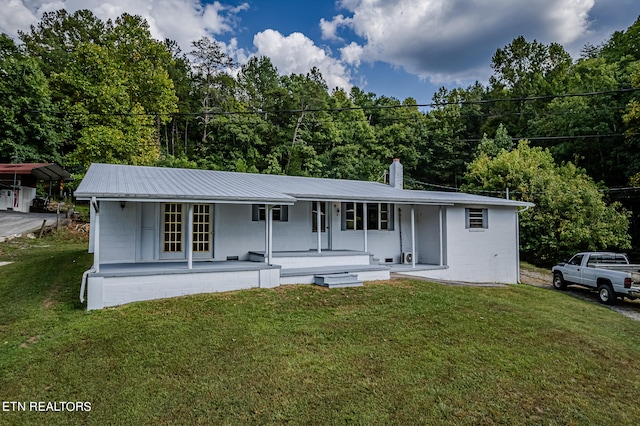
x=42, y=171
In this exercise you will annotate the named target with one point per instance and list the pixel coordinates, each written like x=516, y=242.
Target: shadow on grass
x=45, y=277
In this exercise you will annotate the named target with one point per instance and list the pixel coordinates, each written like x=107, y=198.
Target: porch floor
x=154, y=268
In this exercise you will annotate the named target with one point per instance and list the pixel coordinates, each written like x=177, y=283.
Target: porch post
x=318, y=224
x=266, y=234
x=189, y=235
x=413, y=236
x=270, y=234
x=365, y=225
x=96, y=235
x=441, y=212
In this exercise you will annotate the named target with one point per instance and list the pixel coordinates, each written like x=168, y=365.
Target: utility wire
x=353, y=108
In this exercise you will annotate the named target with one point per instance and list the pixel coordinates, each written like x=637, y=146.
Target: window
x=379, y=216
x=576, y=260
x=476, y=218
x=172, y=228
x=352, y=216
x=314, y=216
x=279, y=213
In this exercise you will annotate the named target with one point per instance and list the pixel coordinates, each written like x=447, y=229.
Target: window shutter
x=485, y=218
x=255, y=215
x=284, y=213
x=466, y=219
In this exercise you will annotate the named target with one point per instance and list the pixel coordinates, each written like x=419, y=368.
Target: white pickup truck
x=610, y=273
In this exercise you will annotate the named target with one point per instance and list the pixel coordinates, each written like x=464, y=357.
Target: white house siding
x=235, y=234
x=382, y=244
x=487, y=255
x=428, y=234
x=119, y=228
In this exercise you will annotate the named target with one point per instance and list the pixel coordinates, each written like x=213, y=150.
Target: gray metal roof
x=110, y=181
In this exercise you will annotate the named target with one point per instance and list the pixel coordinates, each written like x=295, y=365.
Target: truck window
x=576, y=260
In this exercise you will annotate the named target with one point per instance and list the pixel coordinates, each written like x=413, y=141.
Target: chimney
x=395, y=174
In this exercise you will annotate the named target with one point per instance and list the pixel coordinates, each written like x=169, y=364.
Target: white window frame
x=353, y=216
x=259, y=213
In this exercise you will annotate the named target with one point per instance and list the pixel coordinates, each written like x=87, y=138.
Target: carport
x=18, y=183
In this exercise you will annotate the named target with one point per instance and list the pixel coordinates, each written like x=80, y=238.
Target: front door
x=202, y=231
x=324, y=234
x=174, y=228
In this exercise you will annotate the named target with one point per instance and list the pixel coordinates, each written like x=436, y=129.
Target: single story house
x=18, y=183
x=162, y=232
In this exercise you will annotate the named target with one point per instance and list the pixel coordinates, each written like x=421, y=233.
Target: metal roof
x=110, y=181
x=42, y=171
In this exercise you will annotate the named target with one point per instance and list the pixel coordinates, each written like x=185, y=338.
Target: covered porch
x=119, y=283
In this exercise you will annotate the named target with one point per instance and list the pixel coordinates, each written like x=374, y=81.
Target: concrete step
x=338, y=280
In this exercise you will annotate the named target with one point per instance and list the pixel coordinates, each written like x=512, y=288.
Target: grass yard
x=397, y=352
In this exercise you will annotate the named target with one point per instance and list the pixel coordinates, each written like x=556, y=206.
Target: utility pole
x=15, y=159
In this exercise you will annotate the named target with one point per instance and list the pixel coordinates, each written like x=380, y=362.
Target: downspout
x=413, y=236
x=96, y=239
x=83, y=286
x=96, y=250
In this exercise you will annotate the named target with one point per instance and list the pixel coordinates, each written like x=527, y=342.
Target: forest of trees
x=77, y=90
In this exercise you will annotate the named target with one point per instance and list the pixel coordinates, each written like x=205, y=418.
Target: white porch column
x=189, y=235
x=266, y=234
x=518, y=247
x=269, y=212
x=365, y=225
x=318, y=225
x=96, y=234
x=440, y=213
x=413, y=236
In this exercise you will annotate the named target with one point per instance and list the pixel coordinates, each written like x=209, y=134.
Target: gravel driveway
x=628, y=308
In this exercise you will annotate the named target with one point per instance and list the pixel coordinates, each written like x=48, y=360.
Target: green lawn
x=397, y=352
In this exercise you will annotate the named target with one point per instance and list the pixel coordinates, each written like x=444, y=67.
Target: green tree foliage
x=28, y=125
x=108, y=82
x=570, y=213
x=493, y=147
x=522, y=70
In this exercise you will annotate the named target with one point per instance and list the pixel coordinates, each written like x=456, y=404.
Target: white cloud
x=451, y=39
x=181, y=20
x=297, y=54
x=352, y=53
x=330, y=28
x=15, y=16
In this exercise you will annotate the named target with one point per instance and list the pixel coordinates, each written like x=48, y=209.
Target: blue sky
x=395, y=48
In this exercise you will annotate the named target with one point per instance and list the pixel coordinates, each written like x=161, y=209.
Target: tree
x=583, y=118
x=210, y=63
x=28, y=128
x=524, y=69
x=493, y=147
x=570, y=212
x=107, y=80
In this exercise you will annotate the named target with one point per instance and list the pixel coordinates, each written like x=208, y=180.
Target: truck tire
x=606, y=296
x=558, y=281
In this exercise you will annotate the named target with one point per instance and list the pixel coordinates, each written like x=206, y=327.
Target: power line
x=347, y=109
